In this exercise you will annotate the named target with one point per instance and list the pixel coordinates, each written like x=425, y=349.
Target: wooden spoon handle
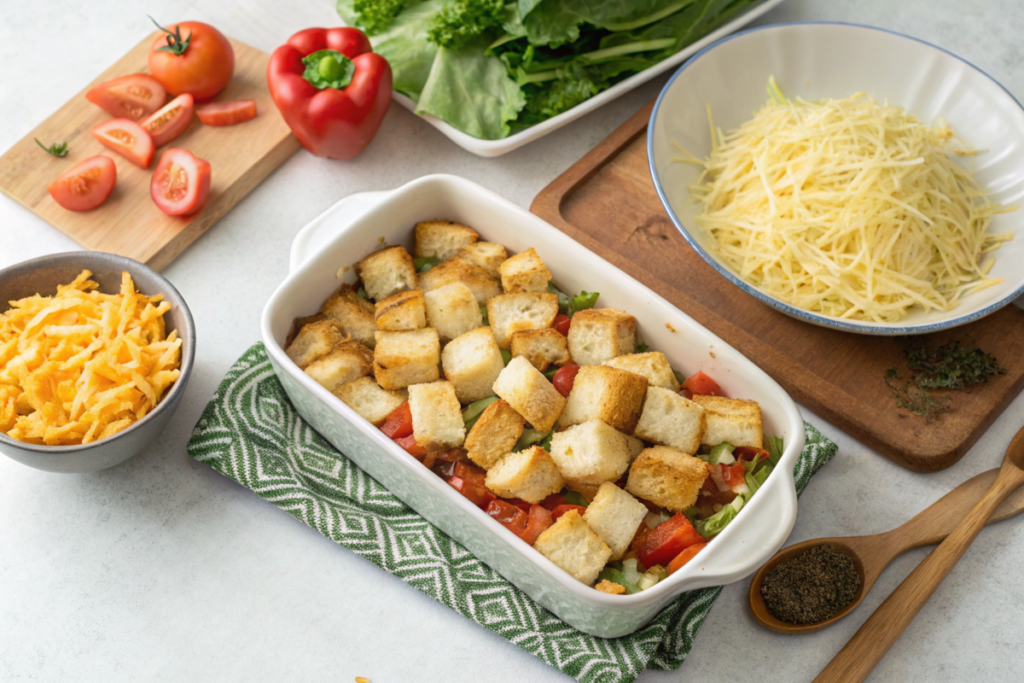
x=867, y=647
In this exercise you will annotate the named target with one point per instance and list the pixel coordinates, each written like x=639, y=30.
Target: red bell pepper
x=335, y=100
x=662, y=543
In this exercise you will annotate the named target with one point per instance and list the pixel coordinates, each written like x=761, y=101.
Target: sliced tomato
x=702, y=385
x=399, y=422
x=408, y=443
x=662, y=543
x=226, y=113
x=562, y=323
x=508, y=515
x=181, y=184
x=85, y=186
x=171, y=120
x=565, y=378
x=682, y=558
x=134, y=97
x=128, y=139
x=562, y=509
x=537, y=522
x=478, y=495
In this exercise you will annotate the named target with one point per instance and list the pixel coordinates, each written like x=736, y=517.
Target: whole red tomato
x=192, y=57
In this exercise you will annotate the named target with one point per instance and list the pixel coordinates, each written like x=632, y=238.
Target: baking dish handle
x=324, y=227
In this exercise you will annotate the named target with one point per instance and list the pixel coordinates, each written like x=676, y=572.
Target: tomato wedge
x=478, y=495
x=399, y=422
x=226, y=113
x=661, y=544
x=565, y=378
x=411, y=447
x=702, y=384
x=509, y=516
x=181, y=184
x=85, y=186
x=134, y=97
x=170, y=121
x=682, y=558
x=562, y=323
x=539, y=519
x=128, y=139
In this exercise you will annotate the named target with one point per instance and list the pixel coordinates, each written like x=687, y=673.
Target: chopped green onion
x=530, y=437
x=630, y=571
x=722, y=453
x=642, y=348
x=475, y=409
x=425, y=263
x=575, y=498
x=616, y=576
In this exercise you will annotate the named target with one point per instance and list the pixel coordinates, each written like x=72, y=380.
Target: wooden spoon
x=867, y=647
x=872, y=554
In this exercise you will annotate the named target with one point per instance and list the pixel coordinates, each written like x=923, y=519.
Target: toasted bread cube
x=524, y=272
x=610, y=587
x=653, y=365
x=635, y=446
x=313, y=341
x=404, y=358
x=441, y=238
x=613, y=396
x=590, y=453
x=472, y=362
x=402, y=311
x=479, y=282
x=494, y=434
x=615, y=515
x=530, y=394
x=573, y=546
x=600, y=334
x=299, y=323
x=353, y=313
x=667, y=477
x=671, y=420
x=588, y=491
x=436, y=416
x=452, y=310
x=510, y=313
x=486, y=255
x=733, y=421
x=370, y=402
x=347, y=361
x=540, y=347
x=529, y=475
x=387, y=271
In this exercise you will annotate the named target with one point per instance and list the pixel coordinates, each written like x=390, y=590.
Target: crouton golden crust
x=298, y=324
x=524, y=272
x=573, y=546
x=479, y=282
x=494, y=434
x=369, y=401
x=347, y=361
x=530, y=394
x=436, y=416
x=671, y=420
x=404, y=358
x=667, y=477
x=402, y=311
x=453, y=310
x=353, y=313
x=472, y=363
x=529, y=475
x=733, y=421
x=486, y=255
x=611, y=588
x=510, y=313
x=442, y=238
x=313, y=341
x=590, y=454
x=387, y=271
x=614, y=396
x=652, y=365
x=600, y=334
x=541, y=347
x=615, y=515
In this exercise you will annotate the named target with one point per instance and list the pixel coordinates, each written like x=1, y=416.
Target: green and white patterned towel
x=251, y=433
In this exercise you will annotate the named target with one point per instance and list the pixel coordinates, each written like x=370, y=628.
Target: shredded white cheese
x=849, y=208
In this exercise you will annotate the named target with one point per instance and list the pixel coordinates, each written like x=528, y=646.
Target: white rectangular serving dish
x=495, y=148
x=756, y=534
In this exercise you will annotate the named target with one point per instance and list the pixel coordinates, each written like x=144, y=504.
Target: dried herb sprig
x=913, y=398
x=951, y=366
x=57, y=150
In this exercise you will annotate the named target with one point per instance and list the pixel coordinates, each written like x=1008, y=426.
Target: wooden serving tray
x=129, y=223
x=606, y=201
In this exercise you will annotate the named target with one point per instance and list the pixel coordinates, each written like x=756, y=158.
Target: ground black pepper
x=812, y=586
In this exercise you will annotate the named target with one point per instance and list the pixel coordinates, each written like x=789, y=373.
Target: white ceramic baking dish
x=354, y=227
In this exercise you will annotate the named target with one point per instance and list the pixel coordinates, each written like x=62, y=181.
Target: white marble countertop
x=161, y=569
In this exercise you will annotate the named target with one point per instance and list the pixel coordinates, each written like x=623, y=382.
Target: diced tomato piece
x=226, y=113
x=478, y=495
x=519, y=503
x=134, y=97
x=411, y=447
x=662, y=543
x=85, y=186
x=170, y=121
x=539, y=519
x=508, y=515
x=128, y=139
x=553, y=501
x=470, y=472
x=748, y=453
x=452, y=455
x=562, y=323
x=682, y=558
x=565, y=378
x=443, y=469
x=702, y=384
x=562, y=509
x=181, y=183
x=399, y=422
x=686, y=393
x=734, y=474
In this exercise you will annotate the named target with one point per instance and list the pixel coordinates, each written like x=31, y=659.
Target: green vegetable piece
x=328, y=69
x=373, y=16
x=584, y=300
x=722, y=453
x=530, y=437
x=57, y=150
x=775, y=449
x=713, y=525
x=575, y=498
x=546, y=443
x=483, y=314
x=550, y=374
x=473, y=411
x=680, y=377
x=630, y=570
x=425, y=263
x=464, y=20
x=641, y=347
x=361, y=293
x=506, y=356
x=616, y=576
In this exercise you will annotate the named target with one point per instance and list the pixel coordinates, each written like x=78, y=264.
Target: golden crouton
x=671, y=420
x=441, y=238
x=600, y=334
x=731, y=420
x=541, y=347
x=590, y=454
x=524, y=272
x=653, y=365
x=370, y=402
x=313, y=341
x=667, y=477
x=613, y=396
x=387, y=271
x=353, y=313
x=530, y=394
x=486, y=255
x=404, y=358
x=610, y=587
x=510, y=313
x=299, y=323
x=403, y=311
x=472, y=362
x=436, y=416
x=528, y=475
x=615, y=515
x=573, y=546
x=347, y=361
x=452, y=310
x=494, y=434
x=479, y=282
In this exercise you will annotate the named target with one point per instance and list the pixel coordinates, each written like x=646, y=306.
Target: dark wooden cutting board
x=606, y=201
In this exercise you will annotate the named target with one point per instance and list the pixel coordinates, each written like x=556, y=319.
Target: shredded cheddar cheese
x=81, y=366
x=849, y=208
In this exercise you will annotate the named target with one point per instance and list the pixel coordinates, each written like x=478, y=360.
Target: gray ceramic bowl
x=41, y=276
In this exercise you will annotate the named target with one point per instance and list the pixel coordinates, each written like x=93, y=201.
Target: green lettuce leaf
x=407, y=49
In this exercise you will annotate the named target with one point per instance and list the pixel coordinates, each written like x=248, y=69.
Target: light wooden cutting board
x=129, y=223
